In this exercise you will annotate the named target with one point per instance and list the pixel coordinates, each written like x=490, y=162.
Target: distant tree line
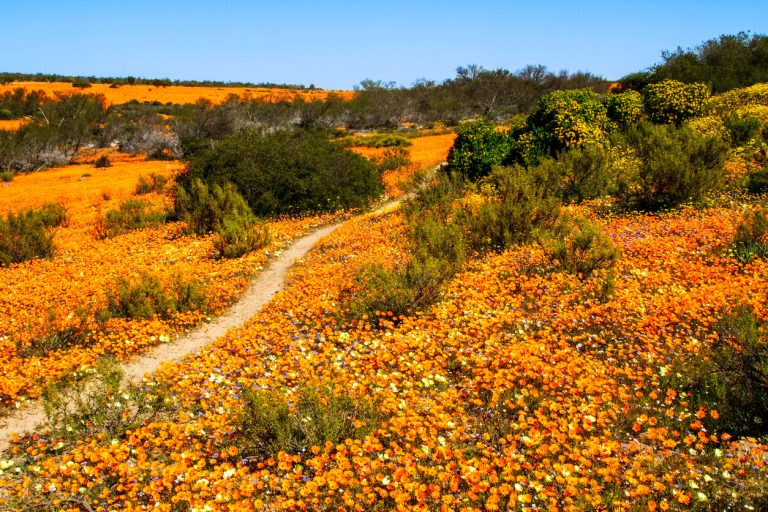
x=80, y=81
x=724, y=63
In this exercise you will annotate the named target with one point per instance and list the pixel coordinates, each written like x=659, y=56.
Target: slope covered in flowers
x=48, y=297
x=523, y=388
x=177, y=94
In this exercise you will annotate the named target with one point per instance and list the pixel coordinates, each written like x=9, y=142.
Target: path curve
x=259, y=292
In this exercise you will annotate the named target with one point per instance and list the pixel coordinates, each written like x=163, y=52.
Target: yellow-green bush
x=672, y=102
x=709, y=126
x=738, y=99
x=624, y=109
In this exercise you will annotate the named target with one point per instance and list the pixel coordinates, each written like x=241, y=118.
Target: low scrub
x=578, y=246
x=393, y=158
x=102, y=162
x=98, y=402
x=677, y=165
x=221, y=210
x=152, y=183
x=757, y=182
x=374, y=141
x=273, y=422
x=146, y=297
x=751, y=240
x=132, y=214
x=24, y=236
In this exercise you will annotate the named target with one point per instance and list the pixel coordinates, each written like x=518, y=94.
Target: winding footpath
x=262, y=288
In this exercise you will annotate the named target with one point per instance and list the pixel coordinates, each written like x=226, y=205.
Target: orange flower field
x=43, y=296
x=176, y=94
x=524, y=388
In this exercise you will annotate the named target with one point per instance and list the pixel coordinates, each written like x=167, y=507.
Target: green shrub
x=7, y=176
x=672, y=102
x=393, y=158
x=374, y=141
x=677, y=165
x=378, y=289
x=624, y=109
x=477, y=148
x=23, y=236
x=516, y=202
x=750, y=240
x=757, y=182
x=102, y=162
x=97, y=402
x=81, y=83
x=52, y=215
x=132, y=214
x=146, y=297
x=287, y=172
x=53, y=337
x=152, y=183
x=580, y=173
x=272, y=422
x=566, y=119
x=742, y=129
x=578, y=246
x=236, y=239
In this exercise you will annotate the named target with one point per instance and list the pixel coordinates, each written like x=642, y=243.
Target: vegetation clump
x=25, y=235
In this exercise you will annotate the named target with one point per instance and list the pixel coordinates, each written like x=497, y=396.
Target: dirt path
x=260, y=291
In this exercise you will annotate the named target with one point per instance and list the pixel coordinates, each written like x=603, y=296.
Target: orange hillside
x=174, y=93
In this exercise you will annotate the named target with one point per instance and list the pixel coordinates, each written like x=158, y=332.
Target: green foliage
x=580, y=173
x=374, y=141
x=672, y=102
x=220, y=210
x=750, y=240
x=153, y=183
x=515, y=202
x=393, y=158
x=272, y=422
x=624, y=109
x=7, y=176
x=732, y=375
x=132, y=214
x=565, y=119
x=52, y=215
x=23, y=236
x=677, y=165
x=743, y=129
x=102, y=162
x=97, y=402
x=478, y=147
x=288, y=171
x=725, y=63
x=53, y=337
x=578, y=246
x=757, y=182
x=81, y=83
x=145, y=298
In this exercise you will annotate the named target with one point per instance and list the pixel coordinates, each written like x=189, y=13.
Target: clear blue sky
x=335, y=44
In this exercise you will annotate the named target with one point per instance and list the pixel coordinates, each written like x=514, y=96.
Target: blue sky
x=335, y=44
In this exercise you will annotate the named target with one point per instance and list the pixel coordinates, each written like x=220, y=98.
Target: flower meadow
x=523, y=388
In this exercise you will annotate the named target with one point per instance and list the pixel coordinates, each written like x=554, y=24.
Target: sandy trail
x=262, y=288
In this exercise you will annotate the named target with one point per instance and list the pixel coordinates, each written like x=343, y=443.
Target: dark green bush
x=52, y=215
x=517, y=202
x=287, y=172
x=750, y=240
x=145, y=297
x=81, y=83
x=580, y=173
x=152, y=183
x=578, y=245
x=743, y=129
x=477, y=148
x=271, y=422
x=102, y=162
x=23, y=236
x=7, y=176
x=374, y=141
x=236, y=239
x=757, y=182
x=132, y=214
x=677, y=165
